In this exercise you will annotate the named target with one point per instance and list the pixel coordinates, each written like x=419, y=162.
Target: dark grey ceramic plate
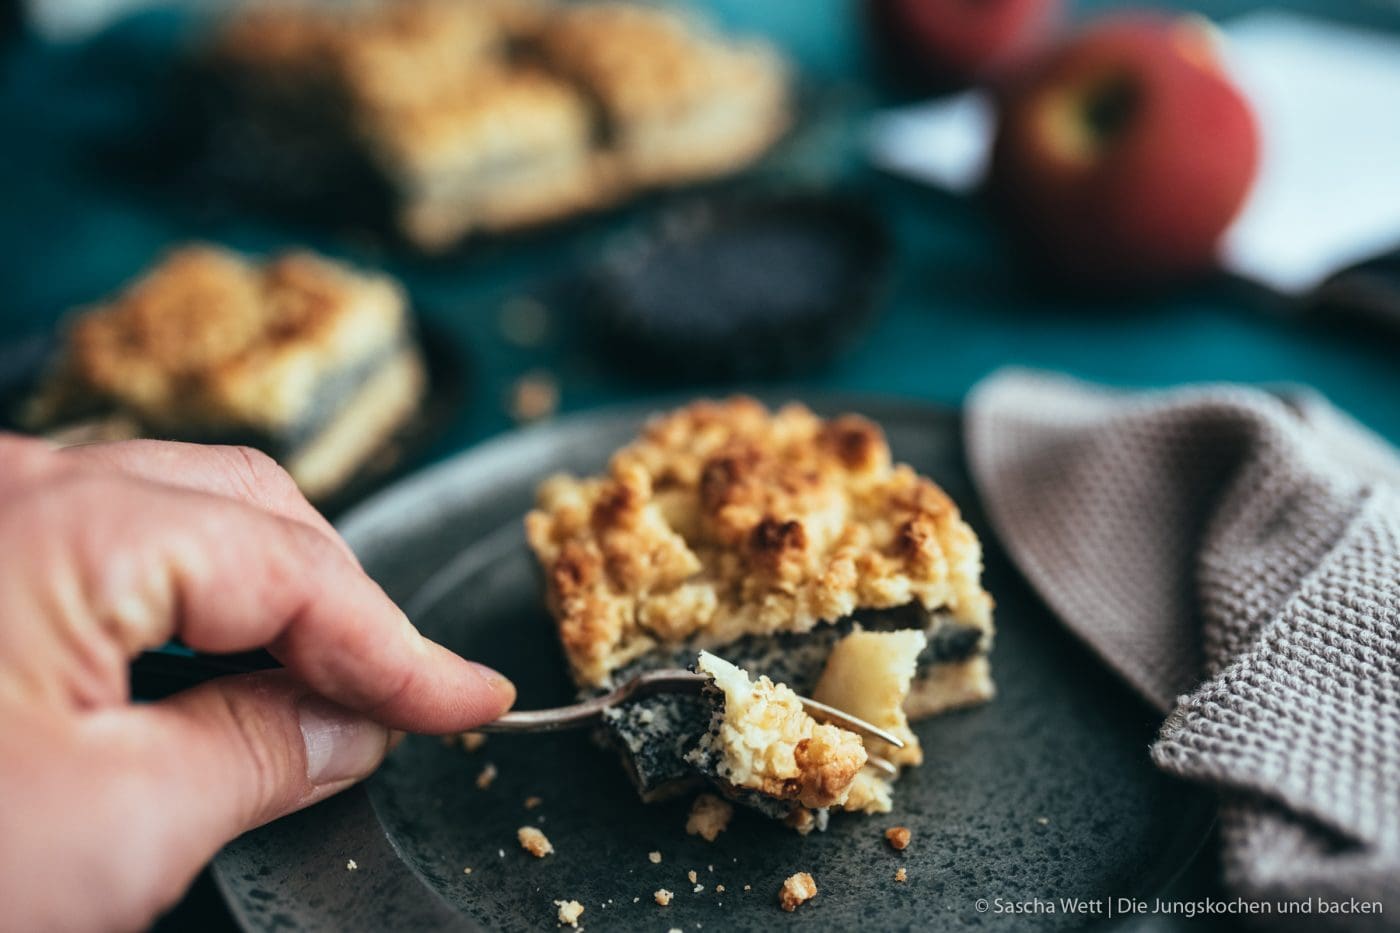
x=1047, y=792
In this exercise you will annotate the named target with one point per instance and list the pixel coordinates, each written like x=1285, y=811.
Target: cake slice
x=788, y=544
x=413, y=107
x=486, y=115
x=300, y=356
x=511, y=147
x=724, y=521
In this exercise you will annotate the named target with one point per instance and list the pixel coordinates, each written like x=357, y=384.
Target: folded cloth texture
x=1234, y=554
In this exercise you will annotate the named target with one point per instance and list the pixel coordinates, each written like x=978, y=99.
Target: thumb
x=240, y=751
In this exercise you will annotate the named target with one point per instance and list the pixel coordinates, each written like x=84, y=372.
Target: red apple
x=951, y=43
x=1122, y=156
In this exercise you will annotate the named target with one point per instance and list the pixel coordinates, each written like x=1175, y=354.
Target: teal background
x=71, y=229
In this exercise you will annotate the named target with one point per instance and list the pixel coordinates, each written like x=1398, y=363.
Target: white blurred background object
x=71, y=20
x=1328, y=190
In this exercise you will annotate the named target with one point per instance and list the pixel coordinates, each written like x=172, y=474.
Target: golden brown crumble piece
x=663, y=896
x=797, y=890
x=691, y=875
x=655, y=857
x=802, y=820
x=709, y=815
x=762, y=739
x=898, y=837
x=534, y=841
x=569, y=912
x=724, y=519
x=533, y=802
x=487, y=776
x=901, y=875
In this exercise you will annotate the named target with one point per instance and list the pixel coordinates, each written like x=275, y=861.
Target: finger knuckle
x=265, y=754
x=48, y=508
x=22, y=457
x=262, y=478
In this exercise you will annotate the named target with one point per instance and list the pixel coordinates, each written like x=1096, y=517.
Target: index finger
x=141, y=563
x=241, y=473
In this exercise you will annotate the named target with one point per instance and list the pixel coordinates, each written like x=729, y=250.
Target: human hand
x=109, y=809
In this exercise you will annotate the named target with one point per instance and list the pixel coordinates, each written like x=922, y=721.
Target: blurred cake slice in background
x=301, y=357
x=343, y=109
x=512, y=148
x=443, y=117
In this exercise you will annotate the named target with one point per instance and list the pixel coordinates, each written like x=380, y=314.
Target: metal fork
x=651, y=683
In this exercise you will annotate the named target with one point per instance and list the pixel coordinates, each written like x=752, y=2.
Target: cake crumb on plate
x=900, y=875
x=532, y=802
x=350, y=865
x=898, y=837
x=472, y=741
x=691, y=875
x=709, y=815
x=797, y=890
x=533, y=396
x=569, y=912
x=655, y=857
x=534, y=841
x=663, y=897
x=487, y=775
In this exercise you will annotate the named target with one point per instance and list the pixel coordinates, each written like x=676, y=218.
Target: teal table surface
x=73, y=227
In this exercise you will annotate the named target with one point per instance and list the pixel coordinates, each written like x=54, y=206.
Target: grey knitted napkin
x=1235, y=556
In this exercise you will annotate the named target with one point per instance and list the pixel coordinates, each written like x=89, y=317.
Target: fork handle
x=591, y=710
x=556, y=719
